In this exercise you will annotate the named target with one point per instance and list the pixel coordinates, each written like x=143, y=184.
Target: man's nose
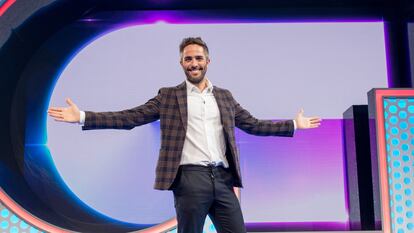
x=194, y=64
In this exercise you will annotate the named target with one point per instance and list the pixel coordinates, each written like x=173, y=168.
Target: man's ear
x=208, y=60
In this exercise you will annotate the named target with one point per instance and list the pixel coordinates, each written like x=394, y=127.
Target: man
x=198, y=158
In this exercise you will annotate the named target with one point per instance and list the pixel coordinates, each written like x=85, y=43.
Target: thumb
x=70, y=102
x=301, y=111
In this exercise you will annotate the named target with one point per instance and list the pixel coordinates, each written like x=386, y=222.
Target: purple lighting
x=295, y=175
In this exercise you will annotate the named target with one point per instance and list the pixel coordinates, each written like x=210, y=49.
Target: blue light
x=403, y=125
x=14, y=219
x=398, y=186
x=397, y=175
x=4, y=224
x=402, y=114
x=23, y=225
x=402, y=104
x=393, y=109
x=396, y=164
x=411, y=109
x=404, y=147
x=5, y=213
x=14, y=230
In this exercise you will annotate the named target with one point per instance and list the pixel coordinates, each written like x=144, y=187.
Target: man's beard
x=198, y=79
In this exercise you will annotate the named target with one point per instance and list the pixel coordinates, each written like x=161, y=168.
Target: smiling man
x=198, y=158
x=194, y=60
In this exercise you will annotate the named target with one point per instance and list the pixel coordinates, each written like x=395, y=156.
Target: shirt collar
x=192, y=88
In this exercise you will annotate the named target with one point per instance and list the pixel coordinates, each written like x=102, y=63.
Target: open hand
x=303, y=122
x=66, y=114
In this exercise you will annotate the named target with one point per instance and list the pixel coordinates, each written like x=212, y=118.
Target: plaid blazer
x=170, y=107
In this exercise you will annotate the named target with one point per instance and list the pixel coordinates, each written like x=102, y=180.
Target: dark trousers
x=200, y=191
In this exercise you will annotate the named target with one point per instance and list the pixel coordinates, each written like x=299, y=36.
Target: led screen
x=272, y=69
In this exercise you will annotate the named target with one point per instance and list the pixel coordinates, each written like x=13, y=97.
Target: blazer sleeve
x=126, y=119
x=251, y=125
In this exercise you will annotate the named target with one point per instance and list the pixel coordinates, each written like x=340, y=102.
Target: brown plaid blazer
x=170, y=106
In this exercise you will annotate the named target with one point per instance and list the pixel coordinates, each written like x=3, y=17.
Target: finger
x=60, y=120
x=56, y=115
x=53, y=114
x=69, y=101
x=56, y=109
x=314, y=125
x=315, y=120
x=315, y=117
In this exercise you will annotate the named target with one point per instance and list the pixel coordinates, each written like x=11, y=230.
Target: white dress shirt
x=204, y=141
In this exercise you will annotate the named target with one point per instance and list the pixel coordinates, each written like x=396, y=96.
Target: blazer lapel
x=181, y=93
x=221, y=106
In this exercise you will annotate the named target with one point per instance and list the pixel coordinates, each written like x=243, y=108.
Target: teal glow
x=396, y=164
x=402, y=104
x=393, y=109
x=4, y=224
x=403, y=125
x=402, y=114
x=23, y=225
x=14, y=230
x=404, y=147
x=5, y=213
x=411, y=109
x=14, y=219
x=398, y=186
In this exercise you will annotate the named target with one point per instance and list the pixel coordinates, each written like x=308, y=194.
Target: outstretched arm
x=245, y=121
x=125, y=119
x=69, y=114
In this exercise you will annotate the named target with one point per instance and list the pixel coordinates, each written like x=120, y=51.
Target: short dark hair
x=193, y=40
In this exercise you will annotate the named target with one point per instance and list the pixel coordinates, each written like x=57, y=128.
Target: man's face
x=194, y=63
